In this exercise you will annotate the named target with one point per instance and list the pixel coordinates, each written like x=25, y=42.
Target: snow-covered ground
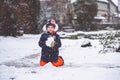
x=19, y=60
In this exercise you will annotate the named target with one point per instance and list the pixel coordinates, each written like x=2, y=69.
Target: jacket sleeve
x=57, y=42
x=42, y=41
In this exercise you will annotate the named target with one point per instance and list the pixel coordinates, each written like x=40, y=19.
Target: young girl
x=50, y=44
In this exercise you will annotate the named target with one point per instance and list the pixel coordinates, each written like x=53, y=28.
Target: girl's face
x=50, y=29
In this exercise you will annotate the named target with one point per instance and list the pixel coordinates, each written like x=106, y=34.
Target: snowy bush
x=118, y=49
x=109, y=41
x=86, y=44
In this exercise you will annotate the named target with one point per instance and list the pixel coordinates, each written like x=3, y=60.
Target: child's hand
x=50, y=42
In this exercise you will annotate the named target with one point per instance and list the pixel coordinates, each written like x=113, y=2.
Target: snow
x=72, y=1
x=117, y=15
x=104, y=1
x=99, y=17
x=19, y=60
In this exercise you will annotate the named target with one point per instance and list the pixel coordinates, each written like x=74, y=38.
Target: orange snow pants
x=59, y=62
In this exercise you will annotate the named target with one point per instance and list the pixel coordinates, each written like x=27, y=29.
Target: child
x=50, y=43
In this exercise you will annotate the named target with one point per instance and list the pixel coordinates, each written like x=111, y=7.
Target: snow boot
x=59, y=62
x=42, y=63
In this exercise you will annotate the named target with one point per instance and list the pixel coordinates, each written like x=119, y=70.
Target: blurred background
x=28, y=16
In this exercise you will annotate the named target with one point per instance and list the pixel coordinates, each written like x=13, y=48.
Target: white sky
x=115, y=1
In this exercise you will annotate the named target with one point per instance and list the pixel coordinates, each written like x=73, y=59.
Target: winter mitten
x=50, y=42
